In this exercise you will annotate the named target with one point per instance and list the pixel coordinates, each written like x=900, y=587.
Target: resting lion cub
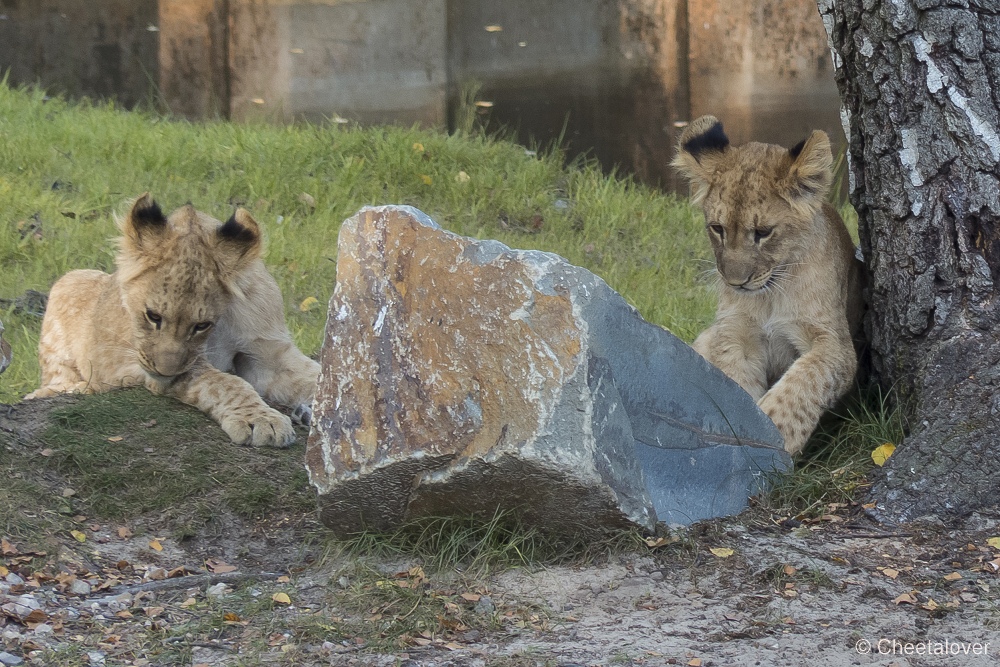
x=790, y=284
x=190, y=304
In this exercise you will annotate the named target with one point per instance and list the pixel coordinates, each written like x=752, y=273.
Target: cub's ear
x=699, y=149
x=238, y=240
x=143, y=225
x=811, y=173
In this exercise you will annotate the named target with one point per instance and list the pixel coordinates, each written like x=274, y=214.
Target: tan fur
x=790, y=284
x=191, y=312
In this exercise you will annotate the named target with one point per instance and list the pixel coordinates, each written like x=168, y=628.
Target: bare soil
x=200, y=582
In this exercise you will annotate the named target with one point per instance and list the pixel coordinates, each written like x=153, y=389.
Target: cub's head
x=178, y=275
x=761, y=201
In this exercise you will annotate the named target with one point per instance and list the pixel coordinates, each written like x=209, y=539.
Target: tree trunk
x=920, y=86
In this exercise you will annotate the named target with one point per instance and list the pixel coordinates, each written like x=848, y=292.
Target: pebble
x=9, y=659
x=96, y=657
x=484, y=606
x=217, y=591
x=13, y=579
x=79, y=587
x=43, y=630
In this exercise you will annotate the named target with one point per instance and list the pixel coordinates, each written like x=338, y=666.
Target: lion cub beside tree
x=790, y=294
x=191, y=312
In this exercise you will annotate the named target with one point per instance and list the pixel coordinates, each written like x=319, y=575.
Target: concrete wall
x=374, y=61
x=614, y=78
x=103, y=48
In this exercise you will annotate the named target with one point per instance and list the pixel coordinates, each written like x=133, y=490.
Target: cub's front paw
x=263, y=428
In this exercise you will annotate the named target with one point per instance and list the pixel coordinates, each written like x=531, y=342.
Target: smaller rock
x=12, y=636
x=20, y=607
x=484, y=606
x=43, y=630
x=79, y=587
x=9, y=659
x=217, y=591
x=96, y=657
x=13, y=579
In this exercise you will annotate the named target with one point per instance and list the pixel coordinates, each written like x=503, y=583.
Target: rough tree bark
x=920, y=85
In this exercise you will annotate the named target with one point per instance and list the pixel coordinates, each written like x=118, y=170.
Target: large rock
x=462, y=376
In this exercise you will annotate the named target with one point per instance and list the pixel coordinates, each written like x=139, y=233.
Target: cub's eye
x=154, y=318
x=201, y=326
x=761, y=233
x=718, y=229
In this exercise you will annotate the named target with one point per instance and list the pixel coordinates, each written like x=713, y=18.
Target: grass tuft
x=835, y=463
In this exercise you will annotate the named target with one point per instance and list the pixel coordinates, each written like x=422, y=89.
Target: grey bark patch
x=461, y=376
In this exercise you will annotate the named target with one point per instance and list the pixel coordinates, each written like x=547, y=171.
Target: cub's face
x=177, y=277
x=760, y=201
x=756, y=235
x=171, y=318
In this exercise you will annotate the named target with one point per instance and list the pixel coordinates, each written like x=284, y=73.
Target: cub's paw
x=302, y=414
x=793, y=429
x=263, y=428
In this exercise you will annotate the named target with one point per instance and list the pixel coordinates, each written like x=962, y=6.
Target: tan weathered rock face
x=462, y=376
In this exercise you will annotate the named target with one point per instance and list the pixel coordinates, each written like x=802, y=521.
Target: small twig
x=190, y=581
x=872, y=536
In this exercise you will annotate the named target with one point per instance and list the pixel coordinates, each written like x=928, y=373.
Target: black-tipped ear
x=147, y=213
x=239, y=239
x=233, y=231
x=701, y=148
x=712, y=139
x=795, y=150
x=143, y=224
x=811, y=172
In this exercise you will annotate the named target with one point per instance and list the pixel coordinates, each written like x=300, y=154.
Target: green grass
x=129, y=453
x=837, y=459
x=67, y=167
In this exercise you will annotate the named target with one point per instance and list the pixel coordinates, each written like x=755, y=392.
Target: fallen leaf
x=284, y=579
x=155, y=545
x=418, y=147
x=470, y=597
x=789, y=570
x=426, y=179
x=4, y=571
x=721, y=552
x=190, y=602
x=931, y=605
x=694, y=662
x=889, y=572
x=7, y=548
x=281, y=598
x=954, y=576
x=308, y=303
x=78, y=535
x=115, y=438
x=493, y=28
x=230, y=617
x=882, y=453
x=994, y=542
x=47, y=452
x=124, y=532
x=218, y=566
x=905, y=598
x=68, y=492
x=461, y=177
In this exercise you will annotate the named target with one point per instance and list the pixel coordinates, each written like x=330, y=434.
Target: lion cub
x=192, y=313
x=790, y=294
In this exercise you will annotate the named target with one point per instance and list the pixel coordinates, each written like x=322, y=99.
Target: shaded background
x=613, y=78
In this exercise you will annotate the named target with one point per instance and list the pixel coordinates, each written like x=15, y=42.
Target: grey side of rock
x=703, y=445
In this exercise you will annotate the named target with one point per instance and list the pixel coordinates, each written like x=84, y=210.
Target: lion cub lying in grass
x=192, y=313
x=790, y=284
